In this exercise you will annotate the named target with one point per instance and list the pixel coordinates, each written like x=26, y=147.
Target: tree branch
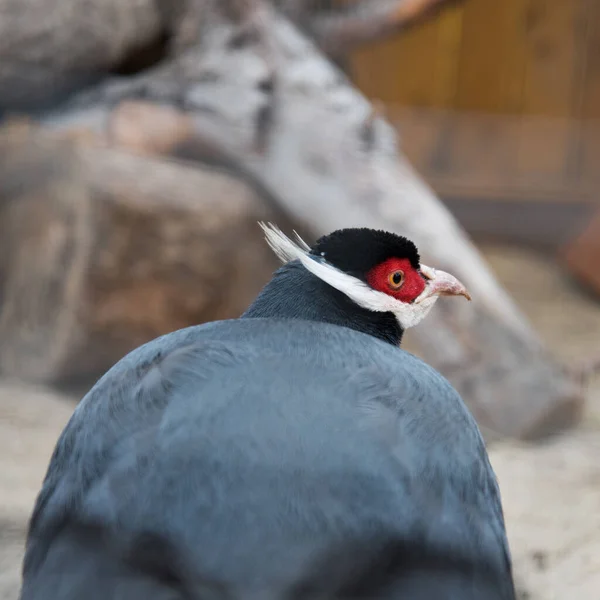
x=364, y=21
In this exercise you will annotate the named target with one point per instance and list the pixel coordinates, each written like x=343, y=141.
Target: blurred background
x=141, y=141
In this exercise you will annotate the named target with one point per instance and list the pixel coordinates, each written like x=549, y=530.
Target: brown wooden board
x=492, y=58
x=520, y=81
x=590, y=97
x=476, y=156
x=553, y=64
x=377, y=67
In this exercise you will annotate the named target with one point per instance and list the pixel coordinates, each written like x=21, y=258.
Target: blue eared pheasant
x=294, y=453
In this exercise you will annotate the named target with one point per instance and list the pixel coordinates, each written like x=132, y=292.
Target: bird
x=296, y=452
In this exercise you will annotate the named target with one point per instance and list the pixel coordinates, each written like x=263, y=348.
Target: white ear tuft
x=283, y=247
x=301, y=242
x=354, y=288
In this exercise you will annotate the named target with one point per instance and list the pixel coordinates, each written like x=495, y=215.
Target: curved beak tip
x=441, y=283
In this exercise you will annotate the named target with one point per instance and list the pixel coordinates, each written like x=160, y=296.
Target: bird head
x=380, y=271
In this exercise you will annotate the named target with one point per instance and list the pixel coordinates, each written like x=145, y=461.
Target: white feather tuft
x=301, y=242
x=283, y=247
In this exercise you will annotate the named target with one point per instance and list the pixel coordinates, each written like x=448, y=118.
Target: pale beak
x=440, y=283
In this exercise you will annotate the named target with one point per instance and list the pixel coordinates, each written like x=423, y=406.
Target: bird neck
x=295, y=293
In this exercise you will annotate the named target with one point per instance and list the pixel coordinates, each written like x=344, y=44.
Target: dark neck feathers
x=295, y=293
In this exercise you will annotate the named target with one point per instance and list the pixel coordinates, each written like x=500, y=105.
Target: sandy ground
x=551, y=492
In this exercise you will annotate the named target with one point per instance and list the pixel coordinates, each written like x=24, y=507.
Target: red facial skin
x=379, y=279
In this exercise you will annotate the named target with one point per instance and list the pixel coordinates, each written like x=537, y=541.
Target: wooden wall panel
x=589, y=152
x=503, y=96
x=418, y=68
x=492, y=57
x=402, y=67
x=552, y=32
x=474, y=156
x=449, y=42
x=553, y=65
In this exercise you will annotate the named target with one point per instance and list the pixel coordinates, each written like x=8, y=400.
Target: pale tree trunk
x=253, y=92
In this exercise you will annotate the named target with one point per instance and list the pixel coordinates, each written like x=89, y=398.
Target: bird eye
x=396, y=279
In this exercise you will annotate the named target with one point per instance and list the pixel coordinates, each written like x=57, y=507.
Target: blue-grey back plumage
x=350, y=453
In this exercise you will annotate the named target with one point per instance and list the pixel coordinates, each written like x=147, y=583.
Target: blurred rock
x=51, y=48
x=101, y=250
